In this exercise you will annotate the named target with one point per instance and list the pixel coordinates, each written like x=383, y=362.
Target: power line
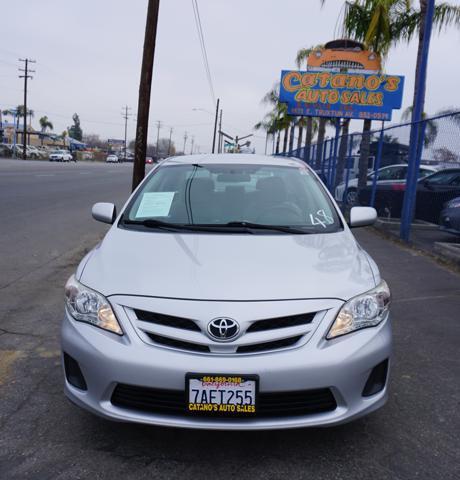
x=204, y=52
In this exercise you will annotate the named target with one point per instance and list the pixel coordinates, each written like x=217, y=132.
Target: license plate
x=226, y=395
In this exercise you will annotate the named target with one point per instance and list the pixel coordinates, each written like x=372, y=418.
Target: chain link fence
x=372, y=168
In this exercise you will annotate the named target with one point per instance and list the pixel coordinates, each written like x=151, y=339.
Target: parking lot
x=46, y=228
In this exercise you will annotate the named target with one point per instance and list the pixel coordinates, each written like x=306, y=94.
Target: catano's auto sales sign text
x=345, y=95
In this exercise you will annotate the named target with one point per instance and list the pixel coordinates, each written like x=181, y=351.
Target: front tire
x=350, y=197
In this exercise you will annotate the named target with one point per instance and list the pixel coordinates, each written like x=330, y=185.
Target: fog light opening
x=73, y=373
x=377, y=379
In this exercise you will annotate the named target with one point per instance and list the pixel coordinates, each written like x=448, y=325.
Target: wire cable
x=204, y=52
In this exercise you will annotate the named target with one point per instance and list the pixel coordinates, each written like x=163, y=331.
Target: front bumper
x=343, y=365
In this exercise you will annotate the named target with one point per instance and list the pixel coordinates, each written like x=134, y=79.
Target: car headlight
x=454, y=203
x=362, y=311
x=86, y=305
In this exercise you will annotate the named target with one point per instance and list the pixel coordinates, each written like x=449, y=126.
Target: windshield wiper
x=151, y=223
x=261, y=226
x=172, y=227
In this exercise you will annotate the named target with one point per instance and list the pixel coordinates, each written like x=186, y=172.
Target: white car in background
x=111, y=159
x=60, y=156
x=391, y=174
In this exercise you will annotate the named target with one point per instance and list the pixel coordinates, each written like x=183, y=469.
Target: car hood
x=228, y=267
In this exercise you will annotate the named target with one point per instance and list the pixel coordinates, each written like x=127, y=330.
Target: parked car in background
x=5, y=150
x=433, y=192
x=60, y=156
x=87, y=155
x=148, y=160
x=33, y=152
x=391, y=174
x=111, y=159
x=449, y=220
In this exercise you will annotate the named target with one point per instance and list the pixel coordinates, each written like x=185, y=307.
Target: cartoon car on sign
x=344, y=56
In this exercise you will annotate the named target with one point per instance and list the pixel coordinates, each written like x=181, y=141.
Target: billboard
x=115, y=141
x=344, y=95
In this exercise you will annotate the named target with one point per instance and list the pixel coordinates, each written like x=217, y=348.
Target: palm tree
x=64, y=135
x=20, y=114
x=342, y=151
x=429, y=125
x=300, y=58
x=279, y=110
x=45, y=124
x=380, y=24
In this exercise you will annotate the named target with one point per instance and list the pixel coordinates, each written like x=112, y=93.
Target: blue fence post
x=334, y=156
x=323, y=157
x=306, y=153
x=414, y=152
x=377, y=166
x=350, y=155
x=329, y=166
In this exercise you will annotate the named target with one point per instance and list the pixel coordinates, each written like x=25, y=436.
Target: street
x=46, y=226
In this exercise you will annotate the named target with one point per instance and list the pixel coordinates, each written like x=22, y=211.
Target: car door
x=434, y=191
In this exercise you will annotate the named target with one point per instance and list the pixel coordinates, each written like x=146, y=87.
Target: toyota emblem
x=223, y=329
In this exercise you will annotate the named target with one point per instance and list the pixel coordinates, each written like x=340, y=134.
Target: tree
x=279, y=111
x=75, y=130
x=45, y=124
x=445, y=155
x=430, y=126
x=380, y=24
x=341, y=162
x=64, y=135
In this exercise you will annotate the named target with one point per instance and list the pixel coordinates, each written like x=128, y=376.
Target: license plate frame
x=248, y=410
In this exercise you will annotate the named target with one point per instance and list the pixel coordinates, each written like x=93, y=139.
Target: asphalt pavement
x=45, y=228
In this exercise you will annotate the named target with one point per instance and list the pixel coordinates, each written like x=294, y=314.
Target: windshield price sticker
x=222, y=395
x=155, y=204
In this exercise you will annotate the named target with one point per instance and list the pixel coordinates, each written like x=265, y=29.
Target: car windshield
x=233, y=197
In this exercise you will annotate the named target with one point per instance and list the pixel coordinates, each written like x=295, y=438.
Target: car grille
x=257, y=336
x=167, y=320
x=180, y=344
x=270, y=404
x=281, y=322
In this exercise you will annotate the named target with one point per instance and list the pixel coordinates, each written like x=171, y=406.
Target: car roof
x=236, y=158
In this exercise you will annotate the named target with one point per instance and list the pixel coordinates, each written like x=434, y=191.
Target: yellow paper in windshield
x=155, y=204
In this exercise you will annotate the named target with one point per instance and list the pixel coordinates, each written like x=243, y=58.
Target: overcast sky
x=88, y=57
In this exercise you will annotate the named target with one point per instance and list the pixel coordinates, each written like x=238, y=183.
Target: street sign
x=114, y=141
x=342, y=95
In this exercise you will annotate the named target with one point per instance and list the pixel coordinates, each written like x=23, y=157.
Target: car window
x=216, y=194
x=392, y=173
x=424, y=172
x=443, y=177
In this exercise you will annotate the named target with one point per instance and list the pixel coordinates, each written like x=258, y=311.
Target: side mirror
x=362, y=216
x=104, y=212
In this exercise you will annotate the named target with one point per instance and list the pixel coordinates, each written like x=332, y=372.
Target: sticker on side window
x=155, y=204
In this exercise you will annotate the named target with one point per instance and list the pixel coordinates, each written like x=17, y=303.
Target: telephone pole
x=219, y=145
x=193, y=142
x=126, y=115
x=158, y=137
x=170, y=136
x=26, y=76
x=185, y=141
x=145, y=87
x=215, y=126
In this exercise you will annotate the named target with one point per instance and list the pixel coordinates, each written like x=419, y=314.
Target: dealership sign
x=343, y=95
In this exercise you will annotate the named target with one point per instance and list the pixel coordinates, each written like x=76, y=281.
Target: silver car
x=229, y=293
